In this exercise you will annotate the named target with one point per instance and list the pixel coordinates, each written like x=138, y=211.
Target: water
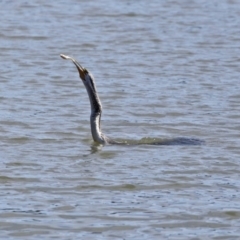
x=163, y=69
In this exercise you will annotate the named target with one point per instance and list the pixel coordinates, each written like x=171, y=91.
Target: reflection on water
x=163, y=70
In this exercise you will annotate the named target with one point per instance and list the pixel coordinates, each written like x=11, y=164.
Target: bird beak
x=79, y=67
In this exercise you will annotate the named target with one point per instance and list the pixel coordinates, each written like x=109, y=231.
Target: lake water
x=163, y=69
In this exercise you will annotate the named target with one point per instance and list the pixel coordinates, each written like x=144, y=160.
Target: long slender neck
x=95, y=117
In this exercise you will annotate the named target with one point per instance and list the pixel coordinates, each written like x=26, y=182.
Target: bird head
x=84, y=74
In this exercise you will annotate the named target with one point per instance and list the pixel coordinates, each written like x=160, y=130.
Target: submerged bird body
x=96, y=112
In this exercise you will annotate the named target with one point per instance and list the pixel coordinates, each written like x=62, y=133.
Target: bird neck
x=95, y=117
x=97, y=134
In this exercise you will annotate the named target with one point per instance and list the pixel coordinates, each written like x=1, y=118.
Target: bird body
x=96, y=112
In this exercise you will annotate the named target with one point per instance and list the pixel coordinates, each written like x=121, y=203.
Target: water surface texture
x=163, y=69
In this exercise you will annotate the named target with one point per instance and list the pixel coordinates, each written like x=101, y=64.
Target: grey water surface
x=163, y=69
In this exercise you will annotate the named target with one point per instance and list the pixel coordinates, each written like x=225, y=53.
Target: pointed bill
x=78, y=65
